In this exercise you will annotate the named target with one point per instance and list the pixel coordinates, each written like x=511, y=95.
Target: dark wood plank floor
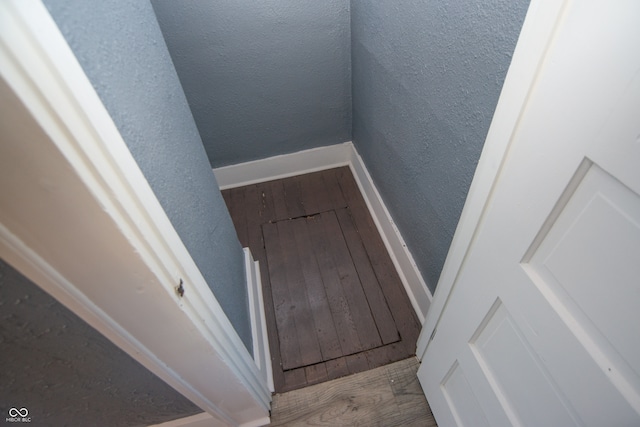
x=334, y=302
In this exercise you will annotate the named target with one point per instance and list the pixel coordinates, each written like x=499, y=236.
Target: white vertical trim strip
x=253, y=307
x=261, y=353
x=264, y=337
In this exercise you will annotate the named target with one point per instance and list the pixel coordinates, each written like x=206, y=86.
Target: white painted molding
x=261, y=353
x=283, y=166
x=79, y=219
x=408, y=271
x=328, y=157
x=535, y=36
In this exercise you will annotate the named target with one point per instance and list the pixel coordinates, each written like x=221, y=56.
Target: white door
x=542, y=327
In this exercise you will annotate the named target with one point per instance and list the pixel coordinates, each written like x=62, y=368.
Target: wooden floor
x=386, y=396
x=334, y=302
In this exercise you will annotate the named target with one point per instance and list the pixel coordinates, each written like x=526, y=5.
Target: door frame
x=219, y=374
x=540, y=25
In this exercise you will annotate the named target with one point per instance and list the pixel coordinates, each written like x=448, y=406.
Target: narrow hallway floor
x=386, y=396
x=334, y=302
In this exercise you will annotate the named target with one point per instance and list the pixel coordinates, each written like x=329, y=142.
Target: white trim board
x=328, y=157
x=79, y=219
x=283, y=166
x=260, y=339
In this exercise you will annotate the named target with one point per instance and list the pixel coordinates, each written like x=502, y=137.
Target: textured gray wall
x=121, y=49
x=66, y=373
x=426, y=80
x=262, y=78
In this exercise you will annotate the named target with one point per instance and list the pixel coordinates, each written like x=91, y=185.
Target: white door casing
x=78, y=218
x=540, y=327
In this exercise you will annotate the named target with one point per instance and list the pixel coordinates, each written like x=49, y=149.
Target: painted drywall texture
x=121, y=49
x=66, y=373
x=426, y=80
x=262, y=78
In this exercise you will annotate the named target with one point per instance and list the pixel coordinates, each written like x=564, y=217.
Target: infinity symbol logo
x=23, y=412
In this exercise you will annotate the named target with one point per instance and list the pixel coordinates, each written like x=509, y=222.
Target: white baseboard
x=261, y=353
x=332, y=156
x=412, y=280
x=283, y=166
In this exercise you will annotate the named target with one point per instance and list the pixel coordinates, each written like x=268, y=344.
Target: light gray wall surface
x=262, y=78
x=121, y=49
x=66, y=373
x=426, y=80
